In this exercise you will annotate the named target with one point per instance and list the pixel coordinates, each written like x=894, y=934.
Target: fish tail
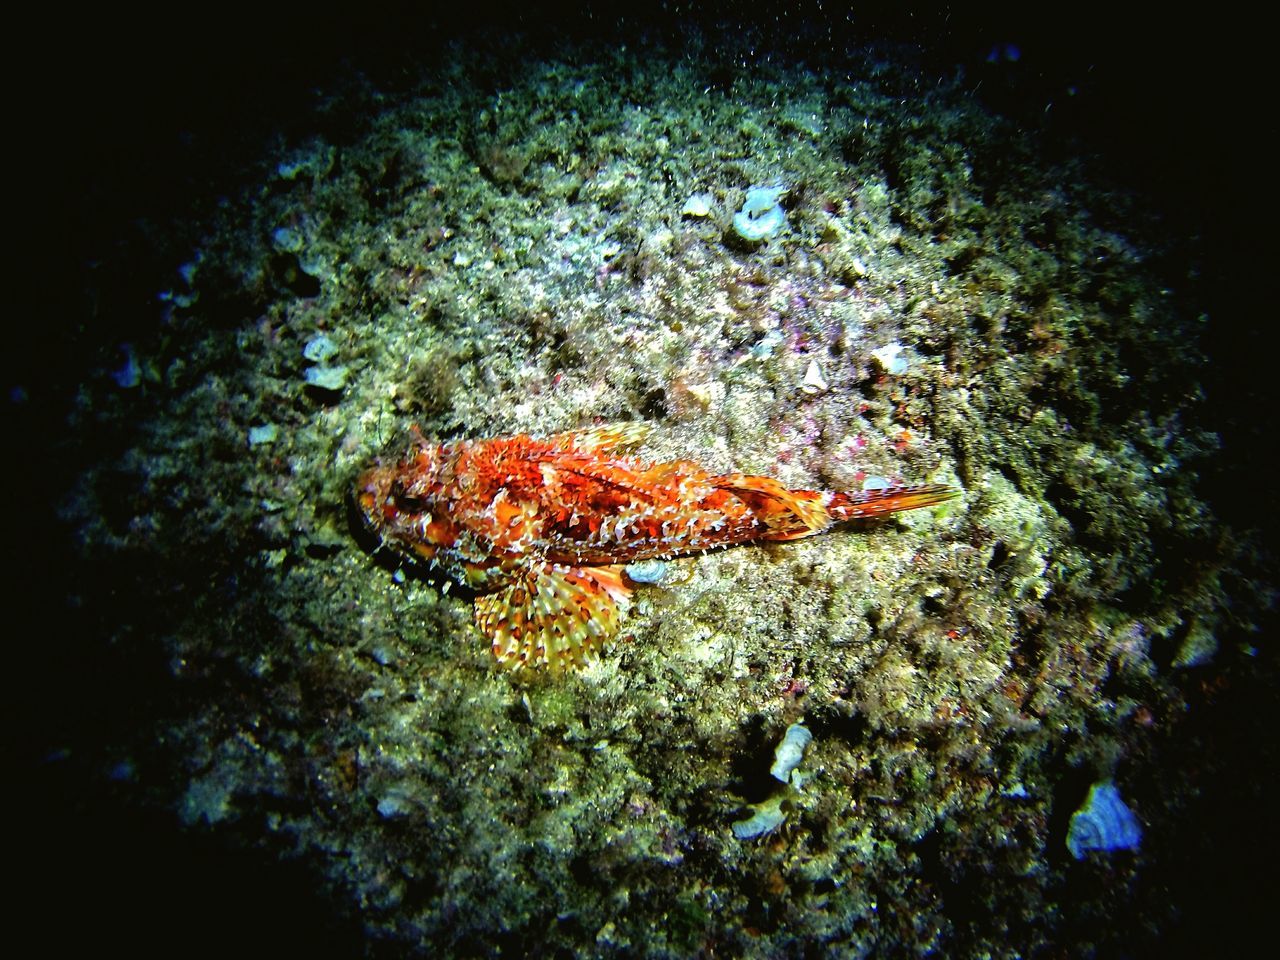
x=878, y=503
x=787, y=514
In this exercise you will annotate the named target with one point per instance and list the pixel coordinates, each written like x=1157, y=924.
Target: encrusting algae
x=540, y=529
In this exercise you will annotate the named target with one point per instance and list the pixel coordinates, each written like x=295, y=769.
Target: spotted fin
x=874, y=503
x=611, y=438
x=789, y=514
x=554, y=615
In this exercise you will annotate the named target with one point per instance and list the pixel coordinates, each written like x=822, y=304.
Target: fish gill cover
x=245, y=724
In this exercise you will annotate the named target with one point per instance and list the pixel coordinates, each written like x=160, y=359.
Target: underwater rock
x=1199, y=646
x=262, y=434
x=129, y=374
x=763, y=348
x=790, y=751
x=1103, y=823
x=331, y=379
x=287, y=240
x=396, y=802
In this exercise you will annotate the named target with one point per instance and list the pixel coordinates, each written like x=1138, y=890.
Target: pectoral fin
x=554, y=615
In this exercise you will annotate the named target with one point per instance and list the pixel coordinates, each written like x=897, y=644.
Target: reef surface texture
x=492, y=240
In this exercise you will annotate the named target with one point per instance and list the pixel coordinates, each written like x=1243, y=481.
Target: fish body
x=540, y=528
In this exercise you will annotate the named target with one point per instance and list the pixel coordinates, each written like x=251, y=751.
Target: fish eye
x=407, y=504
x=402, y=500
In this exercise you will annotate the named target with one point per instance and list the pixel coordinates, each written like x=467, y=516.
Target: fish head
x=396, y=499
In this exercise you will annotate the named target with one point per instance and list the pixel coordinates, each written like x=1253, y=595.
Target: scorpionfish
x=541, y=529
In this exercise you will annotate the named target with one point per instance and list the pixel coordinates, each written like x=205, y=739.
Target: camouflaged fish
x=540, y=529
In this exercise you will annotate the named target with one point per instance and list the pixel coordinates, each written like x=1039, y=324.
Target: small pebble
x=319, y=349
x=648, y=571
x=790, y=751
x=768, y=817
x=326, y=378
x=266, y=433
x=890, y=359
x=698, y=205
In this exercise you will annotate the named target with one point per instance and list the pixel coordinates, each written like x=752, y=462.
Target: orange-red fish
x=540, y=529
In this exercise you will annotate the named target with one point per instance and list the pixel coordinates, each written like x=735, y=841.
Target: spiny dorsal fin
x=554, y=615
x=610, y=438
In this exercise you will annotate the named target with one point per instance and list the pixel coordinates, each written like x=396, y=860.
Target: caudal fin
x=877, y=503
